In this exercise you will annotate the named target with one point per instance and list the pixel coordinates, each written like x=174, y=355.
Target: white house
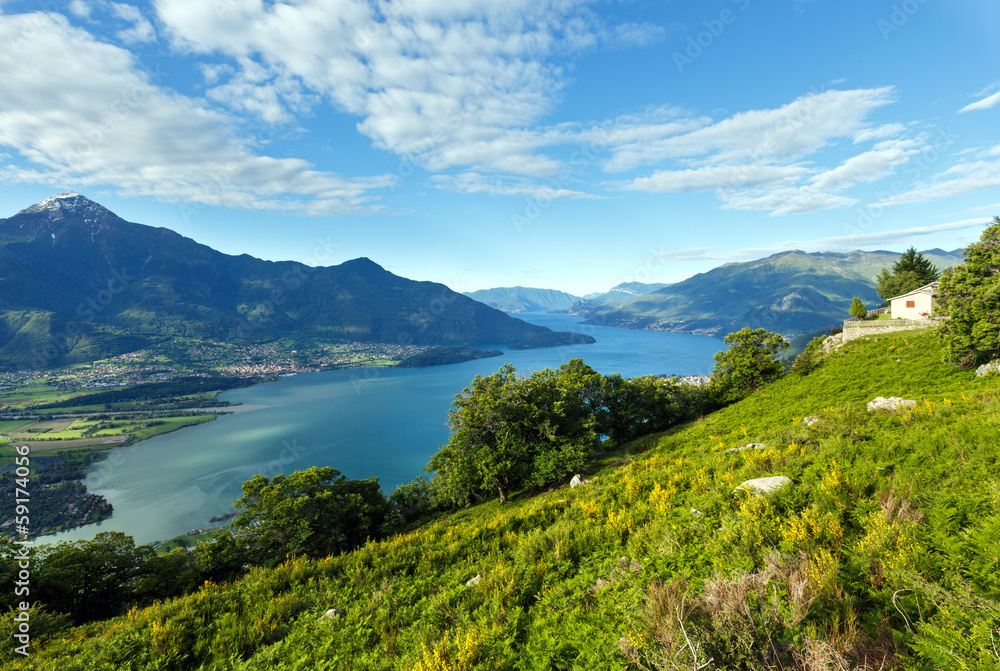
x=917, y=304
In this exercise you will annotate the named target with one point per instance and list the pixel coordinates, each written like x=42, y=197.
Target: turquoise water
x=364, y=422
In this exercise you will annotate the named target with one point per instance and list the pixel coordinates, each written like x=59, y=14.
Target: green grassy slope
x=881, y=554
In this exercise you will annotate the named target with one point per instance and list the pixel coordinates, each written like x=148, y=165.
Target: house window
x=911, y=304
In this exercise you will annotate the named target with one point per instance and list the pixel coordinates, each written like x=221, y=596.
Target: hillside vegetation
x=881, y=554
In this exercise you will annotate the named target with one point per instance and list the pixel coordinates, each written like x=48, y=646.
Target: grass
x=881, y=554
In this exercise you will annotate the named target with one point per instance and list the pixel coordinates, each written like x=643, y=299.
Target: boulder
x=748, y=446
x=332, y=614
x=891, y=404
x=987, y=368
x=810, y=420
x=577, y=481
x=472, y=582
x=761, y=486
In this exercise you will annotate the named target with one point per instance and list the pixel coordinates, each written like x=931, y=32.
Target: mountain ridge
x=78, y=282
x=791, y=292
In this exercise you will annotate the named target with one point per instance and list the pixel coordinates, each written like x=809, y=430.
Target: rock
x=472, y=582
x=810, y=420
x=577, y=481
x=891, y=404
x=748, y=446
x=332, y=614
x=630, y=564
x=760, y=486
x=696, y=512
x=987, y=368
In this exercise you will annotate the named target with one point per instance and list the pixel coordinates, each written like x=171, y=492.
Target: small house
x=917, y=304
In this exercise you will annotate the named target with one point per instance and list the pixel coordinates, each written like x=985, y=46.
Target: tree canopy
x=969, y=295
x=315, y=512
x=748, y=364
x=509, y=433
x=911, y=271
x=858, y=308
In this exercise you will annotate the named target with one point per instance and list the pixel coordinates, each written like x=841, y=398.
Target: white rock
x=577, y=481
x=810, y=420
x=748, y=446
x=472, y=582
x=696, y=512
x=987, y=368
x=759, y=486
x=332, y=614
x=891, y=404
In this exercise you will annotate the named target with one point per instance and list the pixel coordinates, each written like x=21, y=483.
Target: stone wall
x=853, y=333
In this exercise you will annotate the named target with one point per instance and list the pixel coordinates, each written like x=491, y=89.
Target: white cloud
x=714, y=177
x=959, y=179
x=785, y=201
x=882, y=132
x=447, y=84
x=141, y=29
x=984, y=104
x=868, y=166
x=80, y=113
x=477, y=183
x=79, y=8
x=792, y=131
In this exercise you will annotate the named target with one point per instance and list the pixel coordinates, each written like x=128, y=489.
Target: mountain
x=791, y=293
x=617, y=295
x=78, y=282
x=523, y=299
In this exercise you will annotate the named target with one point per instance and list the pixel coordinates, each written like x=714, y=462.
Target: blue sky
x=567, y=144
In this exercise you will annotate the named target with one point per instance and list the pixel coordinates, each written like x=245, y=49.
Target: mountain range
x=530, y=299
x=79, y=283
x=792, y=293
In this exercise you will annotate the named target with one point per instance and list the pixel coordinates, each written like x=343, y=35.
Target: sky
x=564, y=144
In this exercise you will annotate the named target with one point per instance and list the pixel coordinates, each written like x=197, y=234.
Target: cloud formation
x=83, y=114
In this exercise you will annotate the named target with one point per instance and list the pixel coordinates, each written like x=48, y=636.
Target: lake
x=383, y=422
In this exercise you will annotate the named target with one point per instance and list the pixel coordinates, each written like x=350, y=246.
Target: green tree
x=315, y=512
x=969, y=295
x=631, y=408
x=91, y=580
x=858, y=308
x=508, y=433
x=911, y=271
x=748, y=364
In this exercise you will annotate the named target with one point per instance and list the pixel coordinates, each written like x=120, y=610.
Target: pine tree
x=858, y=308
x=912, y=271
x=914, y=261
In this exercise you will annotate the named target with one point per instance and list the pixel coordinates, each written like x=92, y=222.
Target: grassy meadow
x=881, y=554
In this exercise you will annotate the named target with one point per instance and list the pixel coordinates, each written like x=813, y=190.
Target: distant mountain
x=617, y=295
x=523, y=299
x=78, y=283
x=791, y=293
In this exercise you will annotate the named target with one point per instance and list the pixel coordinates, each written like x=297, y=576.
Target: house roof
x=929, y=289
